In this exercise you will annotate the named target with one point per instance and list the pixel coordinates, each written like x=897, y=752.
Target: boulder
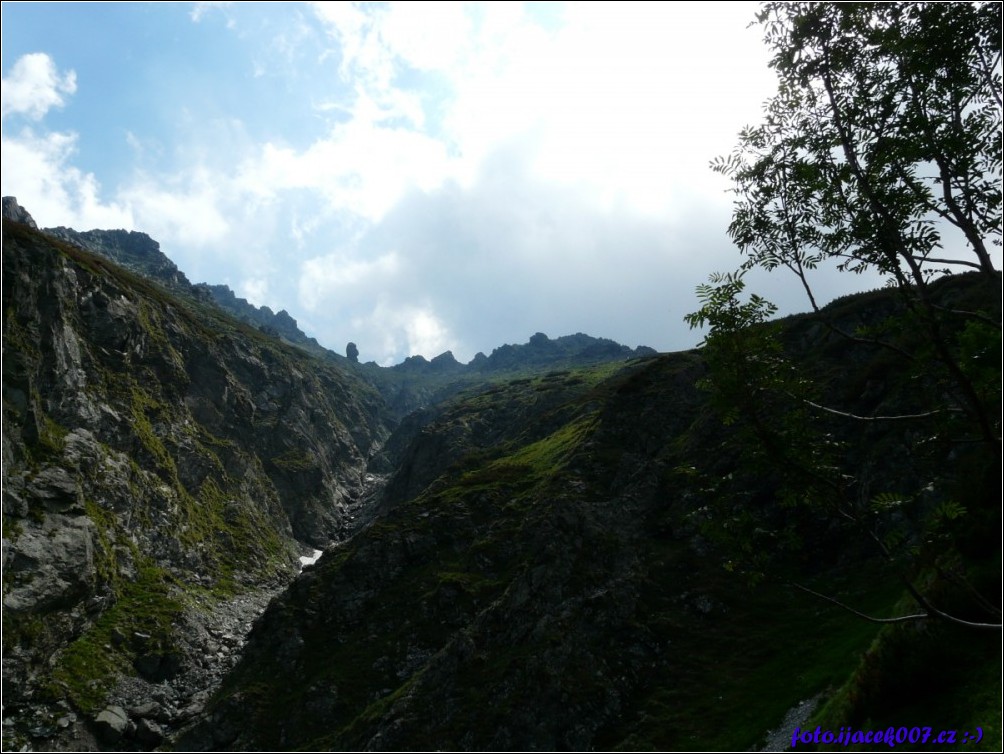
x=113, y=724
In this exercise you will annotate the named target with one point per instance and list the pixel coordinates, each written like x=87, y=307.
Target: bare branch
x=856, y=417
x=848, y=608
x=963, y=584
x=959, y=262
x=971, y=315
x=800, y=272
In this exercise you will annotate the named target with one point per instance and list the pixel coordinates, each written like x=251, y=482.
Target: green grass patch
x=89, y=667
x=295, y=460
x=544, y=457
x=924, y=673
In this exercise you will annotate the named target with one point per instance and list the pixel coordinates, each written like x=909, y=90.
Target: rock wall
x=162, y=465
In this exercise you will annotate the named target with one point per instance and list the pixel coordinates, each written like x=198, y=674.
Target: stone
x=60, y=557
x=56, y=489
x=149, y=733
x=112, y=724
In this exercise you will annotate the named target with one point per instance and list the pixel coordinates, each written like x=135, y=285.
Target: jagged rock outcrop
x=141, y=254
x=418, y=382
x=130, y=249
x=278, y=324
x=163, y=467
x=566, y=351
x=16, y=213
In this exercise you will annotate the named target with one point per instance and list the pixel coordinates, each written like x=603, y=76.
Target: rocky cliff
x=141, y=254
x=164, y=467
x=412, y=384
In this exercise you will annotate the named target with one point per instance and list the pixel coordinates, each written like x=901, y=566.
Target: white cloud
x=426, y=334
x=360, y=167
x=341, y=279
x=37, y=165
x=34, y=86
x=398, y=331
x=628, y=103
x=428, y=36
x=36, y=168
x=255, y=290
x=480, y=173
x=200, y=9
x=185, y=210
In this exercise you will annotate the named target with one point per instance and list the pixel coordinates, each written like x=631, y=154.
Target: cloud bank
x=416, y=177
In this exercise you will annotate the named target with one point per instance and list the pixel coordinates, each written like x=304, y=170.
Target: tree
x=881, y=151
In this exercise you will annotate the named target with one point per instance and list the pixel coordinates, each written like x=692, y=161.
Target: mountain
x=418, y=382
x=415, y=382
x=278, y=324
x=524, y=552
x=139, y=253
x=134, y=251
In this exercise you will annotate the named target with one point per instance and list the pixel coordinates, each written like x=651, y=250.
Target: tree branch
x=971, y=315
x=961, y=582
x=931, y=611
x=832, y=327
x=848, y=608
x=856, y=417
x=959, y=262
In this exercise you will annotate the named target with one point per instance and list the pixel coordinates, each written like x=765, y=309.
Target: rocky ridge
x=414, y=383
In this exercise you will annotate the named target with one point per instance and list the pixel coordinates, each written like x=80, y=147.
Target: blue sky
x=412, y=177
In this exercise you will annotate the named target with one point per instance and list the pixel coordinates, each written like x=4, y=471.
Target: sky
x=413, y=177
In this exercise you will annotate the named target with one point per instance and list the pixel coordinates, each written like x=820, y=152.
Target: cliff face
x=162, y=464
x=523, y=589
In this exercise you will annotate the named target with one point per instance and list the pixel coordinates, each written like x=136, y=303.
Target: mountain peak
x=16, y=213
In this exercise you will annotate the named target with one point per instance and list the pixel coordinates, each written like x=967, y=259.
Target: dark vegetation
x=548, y=574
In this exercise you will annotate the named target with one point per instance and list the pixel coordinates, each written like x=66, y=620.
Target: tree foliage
x=881, y=151
x=884, y=137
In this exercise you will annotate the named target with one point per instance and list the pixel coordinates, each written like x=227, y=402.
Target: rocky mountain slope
x=162, y=464
x=139, y=253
